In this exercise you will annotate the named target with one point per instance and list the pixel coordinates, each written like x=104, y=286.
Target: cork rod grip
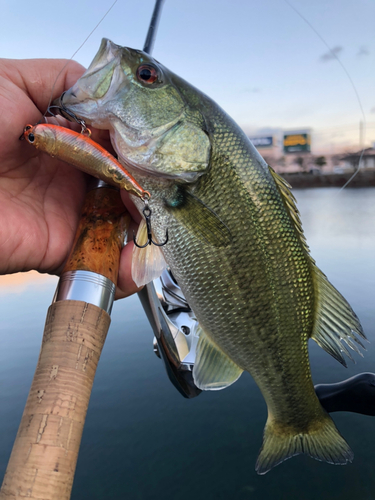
x=100, y=234
x=45, y=451
x=44, y=456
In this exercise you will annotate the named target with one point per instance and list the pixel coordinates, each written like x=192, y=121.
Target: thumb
x=37, y=77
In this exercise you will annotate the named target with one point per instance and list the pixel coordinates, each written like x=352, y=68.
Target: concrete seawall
x=364, y=178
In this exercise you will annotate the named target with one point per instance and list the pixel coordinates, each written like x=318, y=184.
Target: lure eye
x=31, y=137
x=147, y=74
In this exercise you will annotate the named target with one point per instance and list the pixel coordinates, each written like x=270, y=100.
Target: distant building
x=293, y=151
x=367, y=161
x=262, y=141
x=267, y=146
x=297, y=142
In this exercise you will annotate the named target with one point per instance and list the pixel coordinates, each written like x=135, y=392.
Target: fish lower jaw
x=147, y=171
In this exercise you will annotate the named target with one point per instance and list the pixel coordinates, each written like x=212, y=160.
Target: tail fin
x=323, y=442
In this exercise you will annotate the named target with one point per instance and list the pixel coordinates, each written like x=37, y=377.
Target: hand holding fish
x=40, y=196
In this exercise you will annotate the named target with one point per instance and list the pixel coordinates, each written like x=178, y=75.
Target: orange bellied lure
x=83, y=153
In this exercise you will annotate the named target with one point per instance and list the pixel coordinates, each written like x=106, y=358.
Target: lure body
x=84, y=153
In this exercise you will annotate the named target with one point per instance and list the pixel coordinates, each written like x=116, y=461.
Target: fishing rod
x=152, y=30
x=44, y=455
x=45, y=452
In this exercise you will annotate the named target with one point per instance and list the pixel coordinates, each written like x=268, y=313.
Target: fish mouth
x=74, y=109
x=61, y=109
x=100, y=99
x=118, y=131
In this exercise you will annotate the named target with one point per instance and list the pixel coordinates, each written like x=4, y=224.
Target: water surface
x=142, y=440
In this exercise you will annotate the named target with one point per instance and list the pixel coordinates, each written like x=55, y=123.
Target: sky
x=260, y=61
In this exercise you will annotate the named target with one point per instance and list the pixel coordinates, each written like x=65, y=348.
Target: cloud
x=372, y=110
x=331, y=54
x=363, y=51
x=254, y=90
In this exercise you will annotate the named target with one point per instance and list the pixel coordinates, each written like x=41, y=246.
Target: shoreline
x=364, y=178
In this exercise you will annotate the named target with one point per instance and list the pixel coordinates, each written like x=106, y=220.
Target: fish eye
x=31, y=137
x=147, y=73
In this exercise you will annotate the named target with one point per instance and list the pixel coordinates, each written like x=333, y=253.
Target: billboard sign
x=297, y=143
x=262, y=142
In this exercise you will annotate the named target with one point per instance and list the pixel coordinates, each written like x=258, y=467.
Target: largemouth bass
x=236, y=245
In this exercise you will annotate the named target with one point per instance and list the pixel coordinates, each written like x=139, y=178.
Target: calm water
x=143, y=441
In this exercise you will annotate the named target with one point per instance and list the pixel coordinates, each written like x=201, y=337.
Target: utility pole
x=361, y=133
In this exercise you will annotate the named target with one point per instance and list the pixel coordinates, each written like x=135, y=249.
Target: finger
x=43, y=80
x=125, y=283
x=102, y=137
x=25, y=90
x=126, y=199
x=37, y=77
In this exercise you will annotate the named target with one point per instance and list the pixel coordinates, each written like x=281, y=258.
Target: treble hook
x=147, y=215
x=63, y=110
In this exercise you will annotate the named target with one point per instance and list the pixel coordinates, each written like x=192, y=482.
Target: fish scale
x=236, y=246
x=196, y=267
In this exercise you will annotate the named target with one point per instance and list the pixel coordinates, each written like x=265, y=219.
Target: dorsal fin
x=335, y=321
x=290, y=202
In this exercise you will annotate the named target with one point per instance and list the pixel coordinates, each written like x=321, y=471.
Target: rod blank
x=151, y=34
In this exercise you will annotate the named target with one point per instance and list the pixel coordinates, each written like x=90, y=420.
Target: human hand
x=40, y=196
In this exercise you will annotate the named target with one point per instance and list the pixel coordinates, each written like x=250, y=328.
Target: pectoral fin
x=213, y=370
x=198, y=218
x=147, y=263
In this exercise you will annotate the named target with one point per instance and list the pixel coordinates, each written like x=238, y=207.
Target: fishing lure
x=83, y=153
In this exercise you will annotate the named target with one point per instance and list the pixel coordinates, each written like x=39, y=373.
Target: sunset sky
x=259, y=60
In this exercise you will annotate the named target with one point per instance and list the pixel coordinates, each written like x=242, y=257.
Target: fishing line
x=79, y=48
x=335, y=56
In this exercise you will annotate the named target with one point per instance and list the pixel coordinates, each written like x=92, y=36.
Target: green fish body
x=236, y=245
